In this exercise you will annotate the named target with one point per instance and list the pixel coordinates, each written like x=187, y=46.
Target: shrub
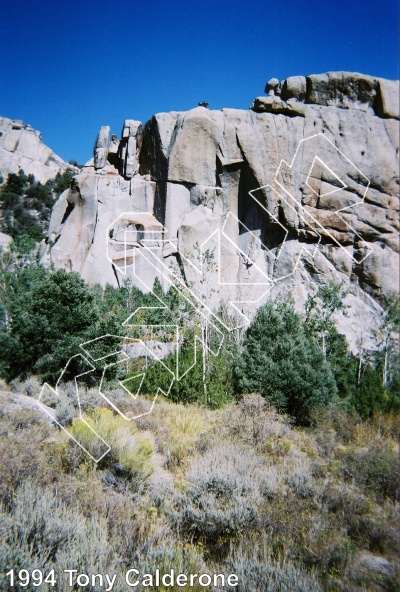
x=224, y=489
x=376, y=468
x=298, y=476
x=26, y=206
x=40, y=532
x=253, y=422
x=64, y=414
x=21, y=454
x=182, y=558
x=130, y=452
x=179, y=432
x=62, y=181
x=49, y=314
x=190, y=388
x=327, y=547
x=256, y=576
x=31, y=387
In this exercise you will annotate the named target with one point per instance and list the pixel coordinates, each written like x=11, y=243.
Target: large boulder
x=374, y=571
x=342, y=89
x=388, y=100
x=192, y=154
x=346, y=90
x=101, y=147
x=131, y=143
x=294, y=87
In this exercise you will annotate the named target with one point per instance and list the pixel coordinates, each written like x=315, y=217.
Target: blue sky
x=69, y=67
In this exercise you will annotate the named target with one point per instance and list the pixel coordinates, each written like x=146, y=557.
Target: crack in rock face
x=300, y=189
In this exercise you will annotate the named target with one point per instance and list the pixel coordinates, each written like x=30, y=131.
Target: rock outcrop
x=300, y=189
x=5, y=241
x=345, y=90
x=21, y=147
x=102, y=147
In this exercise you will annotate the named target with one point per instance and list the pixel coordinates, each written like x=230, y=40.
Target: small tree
x=62, y=181
x=320, y=324
x=198, y=314
x=49, y=315
x=281, y=362
x=320, y=309
x=388, y=340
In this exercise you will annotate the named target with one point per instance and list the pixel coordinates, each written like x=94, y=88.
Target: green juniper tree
x=283, y=363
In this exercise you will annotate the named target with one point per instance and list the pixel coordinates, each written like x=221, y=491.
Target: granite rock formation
x=300, y=189
x=21, y=147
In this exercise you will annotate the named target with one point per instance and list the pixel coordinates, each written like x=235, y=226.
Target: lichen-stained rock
x=21, y=147
x=350, y=90
x=299, y=190
x=342, y=89
x=78, y=231
x=134, y=247
x=60, y=212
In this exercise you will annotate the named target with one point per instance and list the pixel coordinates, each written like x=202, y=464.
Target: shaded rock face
x=299, y=190
x=21, y=147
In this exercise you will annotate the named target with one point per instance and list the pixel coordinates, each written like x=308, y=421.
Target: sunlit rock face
x=299, y=190
x=21, y=147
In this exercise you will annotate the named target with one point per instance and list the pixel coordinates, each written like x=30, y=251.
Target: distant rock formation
x=21, y=147
x=300, y=189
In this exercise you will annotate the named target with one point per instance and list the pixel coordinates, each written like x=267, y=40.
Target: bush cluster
x=26, y=205
x=45, y=315
x=252, y=495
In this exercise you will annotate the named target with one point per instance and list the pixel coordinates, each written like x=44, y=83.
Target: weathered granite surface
x=21, y=147
x=300, y=189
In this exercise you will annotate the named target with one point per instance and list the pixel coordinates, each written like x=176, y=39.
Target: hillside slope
x=21, y=147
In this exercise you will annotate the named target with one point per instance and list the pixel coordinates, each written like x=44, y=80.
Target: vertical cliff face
x=300, y=189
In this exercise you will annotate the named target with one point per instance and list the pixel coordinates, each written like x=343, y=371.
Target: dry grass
x=238, y=489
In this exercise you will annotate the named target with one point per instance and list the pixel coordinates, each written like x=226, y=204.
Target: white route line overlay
x=268, y=283
x=345, y=209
